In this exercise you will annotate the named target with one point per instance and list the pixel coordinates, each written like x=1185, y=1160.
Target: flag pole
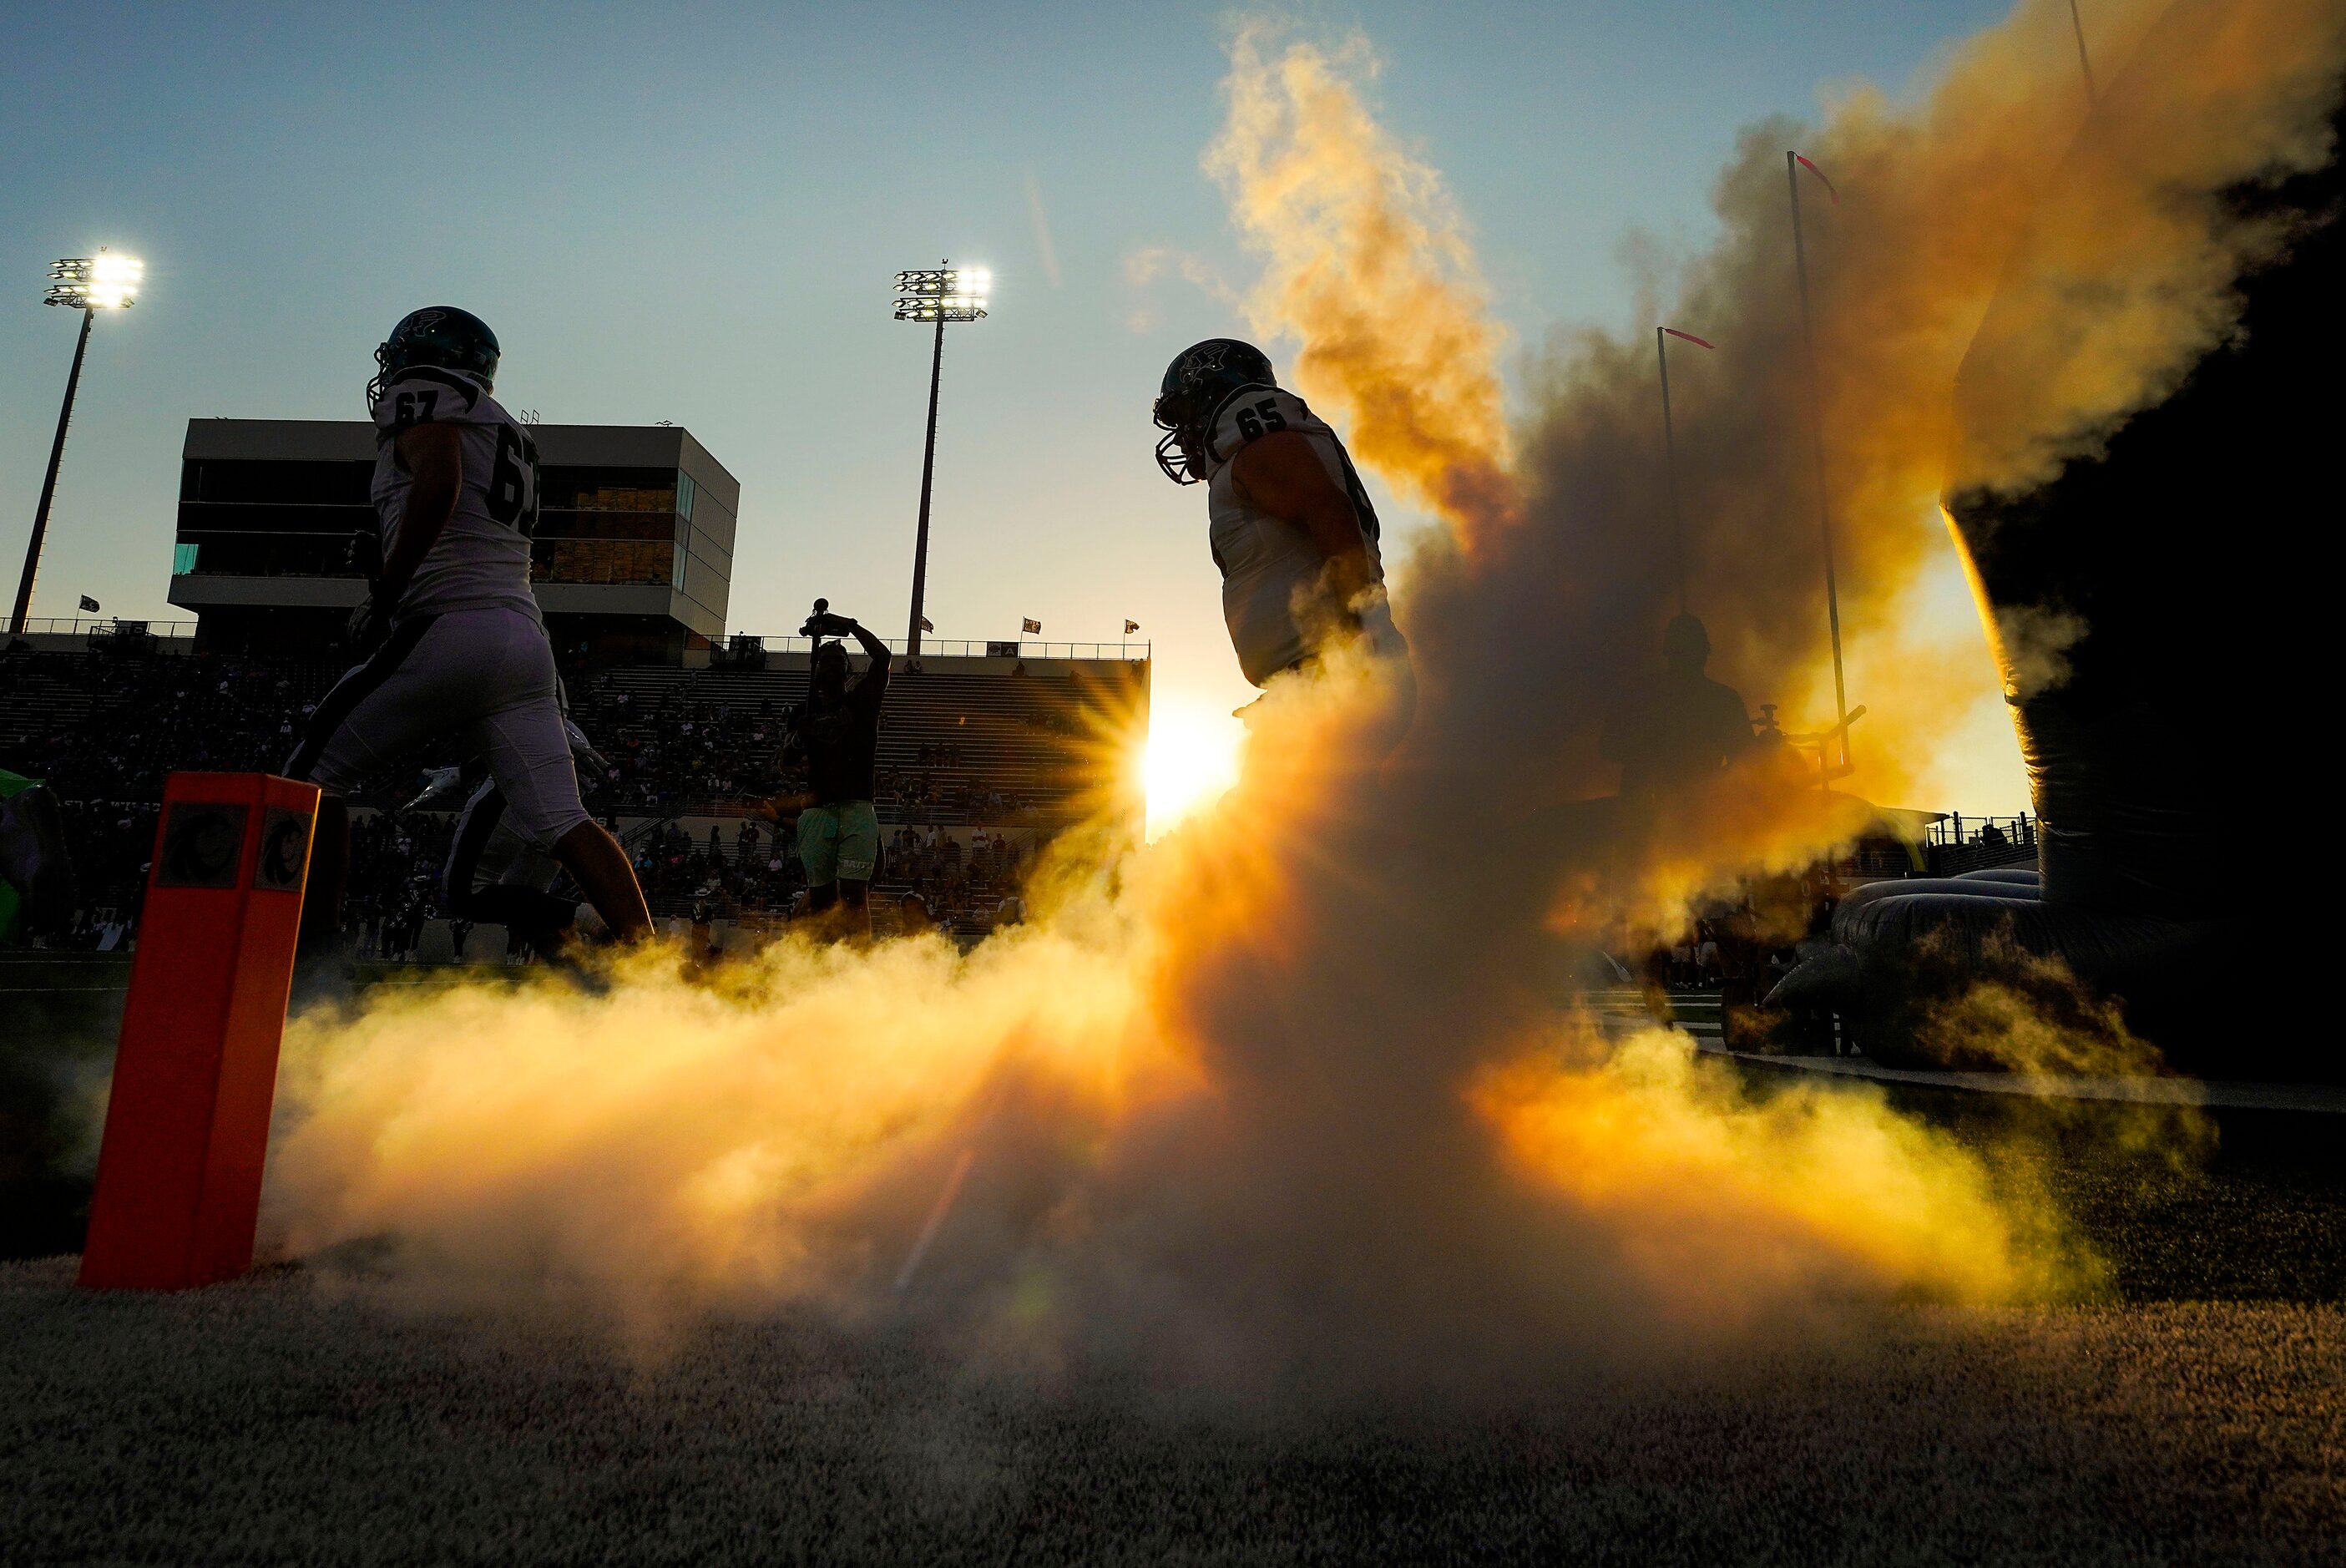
x=2085, y=63
x=1817, y=450
x=1670, y=467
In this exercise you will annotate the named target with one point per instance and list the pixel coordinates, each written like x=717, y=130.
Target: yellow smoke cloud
x=1367, y=264
x=1287, y=1092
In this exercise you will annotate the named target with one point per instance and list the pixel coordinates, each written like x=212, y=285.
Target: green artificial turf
x=2176, y=1206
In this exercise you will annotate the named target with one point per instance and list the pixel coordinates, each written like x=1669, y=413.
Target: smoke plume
x=1302, y=1091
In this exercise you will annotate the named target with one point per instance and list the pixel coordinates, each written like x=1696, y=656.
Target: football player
x=1291, y=526
x=450, y=629
x=495, y=875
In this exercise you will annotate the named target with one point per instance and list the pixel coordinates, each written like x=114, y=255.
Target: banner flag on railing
x=1030, y=625
x=1130, y=627
x=88, y=604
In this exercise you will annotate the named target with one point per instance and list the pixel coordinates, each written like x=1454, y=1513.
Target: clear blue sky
x=692, y=213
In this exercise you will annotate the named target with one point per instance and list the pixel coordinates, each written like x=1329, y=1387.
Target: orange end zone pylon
x=187, y=1127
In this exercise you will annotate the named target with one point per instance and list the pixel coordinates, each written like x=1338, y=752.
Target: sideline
x=2324, y=1099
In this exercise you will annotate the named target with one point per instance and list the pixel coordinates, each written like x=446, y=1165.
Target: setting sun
x=1191, y=758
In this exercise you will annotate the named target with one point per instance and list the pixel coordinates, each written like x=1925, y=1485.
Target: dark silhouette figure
x=2173, y=548
x=1681, y=729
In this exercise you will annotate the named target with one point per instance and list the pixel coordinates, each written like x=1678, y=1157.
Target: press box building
x=632, y=555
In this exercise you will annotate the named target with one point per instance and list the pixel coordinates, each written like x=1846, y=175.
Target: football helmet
x=439, y=335
x=1198, y=381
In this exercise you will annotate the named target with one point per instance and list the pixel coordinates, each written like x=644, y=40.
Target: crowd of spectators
x=955, y=886
x=112, y=846
x=683, y=748
x=753, y=870
x=138, y=719
x=105, y=730
x=914, y=790
x=757, y=872
x=396, y=860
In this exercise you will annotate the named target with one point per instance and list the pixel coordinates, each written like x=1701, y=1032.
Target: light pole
x=89, y=284
x=941, y=293
x=1793, y=164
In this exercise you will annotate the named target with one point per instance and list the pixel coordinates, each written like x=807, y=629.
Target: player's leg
x=852, y=918
x=330, y=874
x=477, y=823
x=859, y=857
x=818, y=853
x=378, y=709
x=528, y=754
x=470, y=892
x=599, y=865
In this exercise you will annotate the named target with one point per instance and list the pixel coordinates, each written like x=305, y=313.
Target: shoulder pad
x=425, y=394
x=1253, y=412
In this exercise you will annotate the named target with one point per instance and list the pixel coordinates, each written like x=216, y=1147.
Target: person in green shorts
x=837, y=737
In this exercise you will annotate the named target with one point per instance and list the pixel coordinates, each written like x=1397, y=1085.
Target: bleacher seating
x=955, y=748
x=963, y=746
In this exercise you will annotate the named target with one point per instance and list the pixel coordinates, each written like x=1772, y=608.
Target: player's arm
x=827, y=625
x=873, y=647
x=434, y=457
x=1281, y=473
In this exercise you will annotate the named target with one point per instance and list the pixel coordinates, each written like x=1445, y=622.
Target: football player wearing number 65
x=1291, y=526
x=449, y=637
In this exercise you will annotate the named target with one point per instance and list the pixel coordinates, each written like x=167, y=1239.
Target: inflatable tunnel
x=2144, y=607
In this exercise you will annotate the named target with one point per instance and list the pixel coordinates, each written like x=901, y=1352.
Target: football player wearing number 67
x=449, y=639
x=1291, y=526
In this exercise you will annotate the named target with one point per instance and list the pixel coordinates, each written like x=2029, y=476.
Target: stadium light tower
x=89, y=284
x=941, y=293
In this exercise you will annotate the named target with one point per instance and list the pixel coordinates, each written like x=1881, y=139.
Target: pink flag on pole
x=1812, y=168
x=1689, y=337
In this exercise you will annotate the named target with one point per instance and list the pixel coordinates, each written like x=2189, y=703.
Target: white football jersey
x=1268, y=562
x=481, y=560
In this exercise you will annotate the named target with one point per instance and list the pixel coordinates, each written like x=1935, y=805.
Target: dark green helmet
x=1198, y=383
x=438, y=335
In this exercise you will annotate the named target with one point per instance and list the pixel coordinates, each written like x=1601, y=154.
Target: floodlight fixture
x=101, y=282
x=89, y=284
x=941, y=293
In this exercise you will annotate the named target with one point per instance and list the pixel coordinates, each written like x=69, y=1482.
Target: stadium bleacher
x=970, y=750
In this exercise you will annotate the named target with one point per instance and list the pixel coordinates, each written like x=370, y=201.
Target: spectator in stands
x=704, y=926
x=913, y=915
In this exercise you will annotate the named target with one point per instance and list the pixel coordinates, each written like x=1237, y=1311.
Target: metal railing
x=1009, y=648
x=76, y=625
x=1956, y=829
x=1136, y=652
